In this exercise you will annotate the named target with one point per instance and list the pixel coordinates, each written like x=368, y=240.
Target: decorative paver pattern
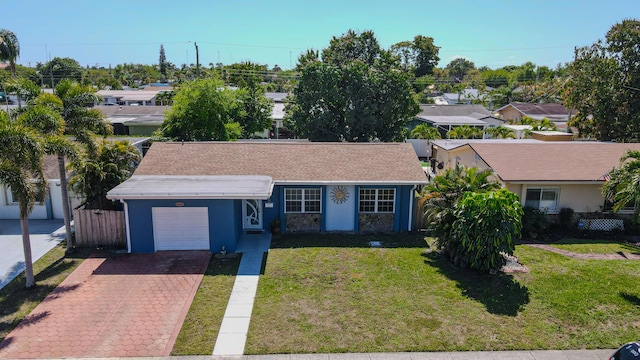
x=129, y=305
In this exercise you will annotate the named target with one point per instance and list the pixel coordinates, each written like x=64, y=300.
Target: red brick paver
x=131, y=305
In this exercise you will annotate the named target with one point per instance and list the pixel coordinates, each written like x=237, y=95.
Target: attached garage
x=181, y=228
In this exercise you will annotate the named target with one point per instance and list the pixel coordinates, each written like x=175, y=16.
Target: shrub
x=565, y=218
x=485, y=226
x=534, y=222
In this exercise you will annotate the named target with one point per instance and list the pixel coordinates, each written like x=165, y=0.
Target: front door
x=252, y=214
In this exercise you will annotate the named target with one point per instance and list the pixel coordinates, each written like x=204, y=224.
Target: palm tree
x=21, y=155
x=424, y=131
x=113, y=164
x=464, y=132
x=501, y=132
x=9, y=49
x=83, y=124
x=623, y=188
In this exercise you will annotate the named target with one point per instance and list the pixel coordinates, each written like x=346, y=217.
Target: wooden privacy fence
x=99, y=228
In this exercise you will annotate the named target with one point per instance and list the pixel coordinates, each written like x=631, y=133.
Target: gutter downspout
x=411, y=200
x=126, y=225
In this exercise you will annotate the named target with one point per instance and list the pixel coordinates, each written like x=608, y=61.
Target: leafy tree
x=59, y=69
x=95, y=176
x=441, y=196
x=101, y=78
x=352, y=46
x=246, y=74
x=419, y=56
x=307, y=57
x=355, y=94
x=9, y=48
x=134, y=75
x=604, y=85
x=256, y=110
x=459, y=67
x=495, y=78
x=424, y=131
x=203, y=109
x=21, y=154
x=623, y=188
x=484, y=229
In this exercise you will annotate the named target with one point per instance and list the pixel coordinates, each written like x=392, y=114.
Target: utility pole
x=197, y=60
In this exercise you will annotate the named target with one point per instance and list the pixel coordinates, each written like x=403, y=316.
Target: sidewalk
x=457, y=355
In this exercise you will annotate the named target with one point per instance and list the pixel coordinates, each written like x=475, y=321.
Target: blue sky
x=493, y=33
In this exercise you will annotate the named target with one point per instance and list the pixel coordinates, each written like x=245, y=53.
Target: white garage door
x=181, y=228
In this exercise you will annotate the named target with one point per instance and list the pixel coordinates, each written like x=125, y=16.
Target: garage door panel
x=183, y=228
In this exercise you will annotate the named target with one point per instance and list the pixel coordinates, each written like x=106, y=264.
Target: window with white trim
x=377, y=200
x=543, y=199
x=302, y=200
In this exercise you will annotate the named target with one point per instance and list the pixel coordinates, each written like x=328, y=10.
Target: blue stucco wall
x=225, y=223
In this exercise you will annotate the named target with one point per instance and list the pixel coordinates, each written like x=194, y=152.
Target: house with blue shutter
x=207, y=195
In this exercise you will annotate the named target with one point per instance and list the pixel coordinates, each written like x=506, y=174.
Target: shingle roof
x=538, y=109
x=288, y=162
x=561, y=161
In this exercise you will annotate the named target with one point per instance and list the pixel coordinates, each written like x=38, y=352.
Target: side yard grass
x=595, y=246
x=200, y=329
x=16, y=302
x=318, y=295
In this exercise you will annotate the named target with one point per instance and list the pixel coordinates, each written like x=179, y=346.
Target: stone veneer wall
x=302, y=222
x=375, y=222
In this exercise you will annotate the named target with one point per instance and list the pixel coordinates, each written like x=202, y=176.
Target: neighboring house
x=446, y=117
x=205, y=195
x=51, y=207
x=556, y=113
x=129, y=97
x=466, y=96
x=548, y=176
x=134, y=120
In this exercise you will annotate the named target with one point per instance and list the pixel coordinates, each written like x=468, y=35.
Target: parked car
x=628, y=351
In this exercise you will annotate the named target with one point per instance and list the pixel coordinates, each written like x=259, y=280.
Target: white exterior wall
x=53, y=202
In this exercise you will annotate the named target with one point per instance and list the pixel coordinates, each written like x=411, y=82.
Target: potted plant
x=275, y=226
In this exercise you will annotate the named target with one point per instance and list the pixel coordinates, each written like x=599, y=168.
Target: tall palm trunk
x=65, y=203
x=26, y=245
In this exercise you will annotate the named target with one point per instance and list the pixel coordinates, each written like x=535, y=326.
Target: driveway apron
x=127, y=305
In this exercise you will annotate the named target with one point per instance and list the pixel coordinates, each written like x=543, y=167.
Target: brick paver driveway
x=130, y=305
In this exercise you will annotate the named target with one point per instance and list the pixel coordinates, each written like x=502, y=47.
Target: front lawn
x=318, y=294
x=200, y=328
x=595, y=246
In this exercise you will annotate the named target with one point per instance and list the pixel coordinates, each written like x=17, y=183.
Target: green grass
x=318, y=294
x=16, y=302
x=595, y=246
x=200, y=329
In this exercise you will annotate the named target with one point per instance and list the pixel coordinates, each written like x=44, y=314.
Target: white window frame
x=376, y=201
x=303, y=201
x=8, y=195
x=542, y=190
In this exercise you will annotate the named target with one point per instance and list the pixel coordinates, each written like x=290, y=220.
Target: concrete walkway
x=235, y=324
x=593, y=256
x=44, y=235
